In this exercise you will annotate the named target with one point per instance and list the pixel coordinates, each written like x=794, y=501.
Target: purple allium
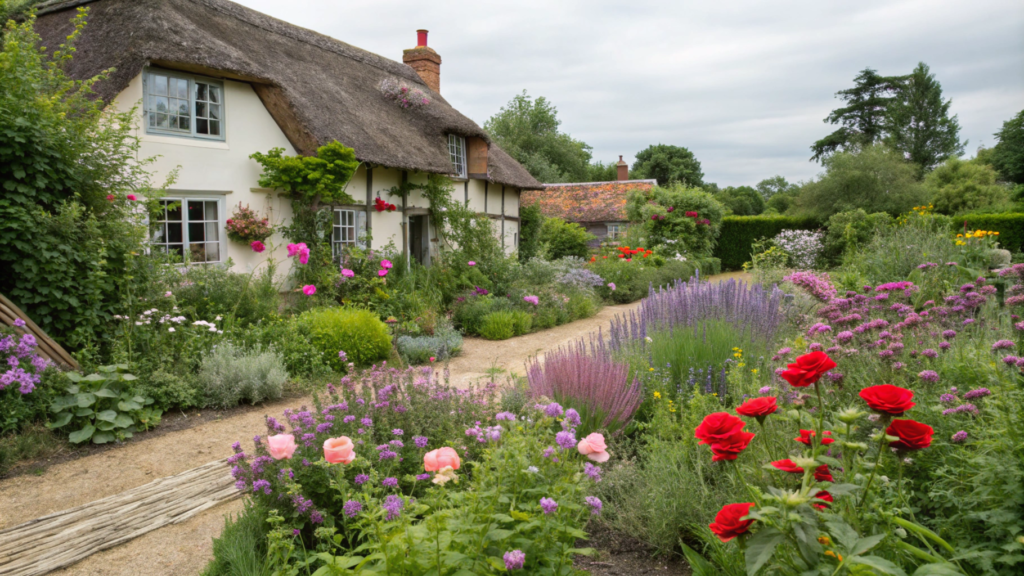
x=977, y=393
x=548, y=505
x=420, y=441
x=948, y=399
x=549, y=452
x=1010, y=360
x=1003, y=345
x=397, y=432
x=959, y=437
x=394, y=505
x=553, y=410
x=566, y=439
x=366, y=421
x=572, y=417
x=505, y=416
x=928, y=375
x=389, y=482
x=886, y=354
x=844, y=336
x=361, y=479
x=594, y=472
x=784, y=351
x=949, y=334
x=929, y=353
x=944, y=345
x=387, y=455
x=595, y=504
x=422, y=477
x=348, y=419
x=351, y=508
x=898, y=365
x=968, y=322
x=296, y=531
x=514, y=560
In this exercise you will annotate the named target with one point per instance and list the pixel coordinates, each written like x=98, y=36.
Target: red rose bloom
x=888, y=399
x=912, y=435
x=718, y=426
x=758, y=407
x=822, y=495
x=788, y=465
x=821, y=474
x=807, y=435
x=728, y=523
x=731, y=447
x=808, y=369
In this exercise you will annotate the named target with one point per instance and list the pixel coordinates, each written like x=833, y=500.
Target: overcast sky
x=743, y=84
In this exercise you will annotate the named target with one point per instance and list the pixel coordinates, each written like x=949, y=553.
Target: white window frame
x=186, y=241
x=457, y=154
x=344, y=230
x=194, y=103
x=616, y=230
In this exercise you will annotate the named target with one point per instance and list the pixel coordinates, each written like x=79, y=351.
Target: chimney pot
x=421, y=38
x=425, y=61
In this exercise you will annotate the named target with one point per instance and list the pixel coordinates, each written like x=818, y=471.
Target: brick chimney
x=424, y=61
x=623, y=169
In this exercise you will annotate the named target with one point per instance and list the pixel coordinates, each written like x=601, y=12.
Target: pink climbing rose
x=110, y=197
x=309, y=289
x=347, y=273
x=382, y=272
x=281, y=446
x=386, y=264
x=304, y=255
x=471, y=263
x=132, y=197
x=257, y=246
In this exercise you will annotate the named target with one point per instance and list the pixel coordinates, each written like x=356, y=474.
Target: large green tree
x=668, y=164
x=918, y=123
x=527, y=129
x=875, y=179
x=966, y=185
x=775, y=185
x=1008, y=155
x=861, y=121
x=741, y=200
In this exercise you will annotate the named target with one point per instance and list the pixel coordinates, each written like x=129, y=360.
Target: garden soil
x=184, y=549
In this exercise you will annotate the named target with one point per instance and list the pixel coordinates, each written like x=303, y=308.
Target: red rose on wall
x=718, y=426
x=728, y=523
x=822, y=474
x=758, y=407
x=808, y=369
x=807, y=435
x=731, y=447
x=888, y=399
x=822, y=495
x=787, y=465
x=912, y=435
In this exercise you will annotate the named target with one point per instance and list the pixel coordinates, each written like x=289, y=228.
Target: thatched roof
x=586, y=201
x=317, y=88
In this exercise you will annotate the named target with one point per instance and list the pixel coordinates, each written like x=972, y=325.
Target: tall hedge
x=740, y=232
x=1010, y=227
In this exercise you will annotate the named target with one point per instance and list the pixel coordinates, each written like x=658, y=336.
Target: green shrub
x=214, y=290
x=469, y=314
x=670, y=232
x=420, y=349
x=241, y=548
x=358, y=333
x=580, y=306
x=546, y=318
x=498, y=326
x=959, y=186
x=530, y=222
x=849, y=230
x=171, y=390
x=560, y=239
x=102, y=407
x=291, y=341
x=231, y=374
x=522, y=322
x=740, y=232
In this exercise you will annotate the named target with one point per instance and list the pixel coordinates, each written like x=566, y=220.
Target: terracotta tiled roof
x=586, y=201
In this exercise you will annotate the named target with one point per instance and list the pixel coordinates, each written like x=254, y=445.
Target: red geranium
x=787, y=465
x=692, y=214
x=718, y=426
x=728, y=522
x=807, y=435
x=912, y=435
x=758, y=407
x=822, y=495
x=808, y=369
x=888, y=399
x=731, y=447
x=822, y=474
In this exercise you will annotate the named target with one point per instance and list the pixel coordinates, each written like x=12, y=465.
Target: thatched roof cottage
x=216, y=81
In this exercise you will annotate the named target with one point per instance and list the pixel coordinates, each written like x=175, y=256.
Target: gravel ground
x=184, y=549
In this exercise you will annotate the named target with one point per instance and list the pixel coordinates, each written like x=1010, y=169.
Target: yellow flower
x=657, y=394
x=651, y=369
x=834, y=555
x=738, y=355
x=714, y=394
x=753, y=371
x=741, y=364
x=824, y=540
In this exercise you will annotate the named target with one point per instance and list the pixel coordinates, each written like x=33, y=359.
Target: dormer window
x=179, y=104
x=457, y=151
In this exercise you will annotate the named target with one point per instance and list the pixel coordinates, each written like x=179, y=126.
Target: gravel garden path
x=185, y=548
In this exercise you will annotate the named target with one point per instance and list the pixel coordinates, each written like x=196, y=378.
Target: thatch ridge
x=318, y=88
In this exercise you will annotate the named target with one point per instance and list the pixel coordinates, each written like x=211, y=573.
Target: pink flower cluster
x=819, y=286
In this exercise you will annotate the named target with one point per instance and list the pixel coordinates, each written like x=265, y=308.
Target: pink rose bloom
x=257, y=246
x=432, y=358
x=339, y=450
x=293, y=249
x=304, y=255
x=471, y=263
x=386, y=264
x=437, y=459
x=593, y=447
x=132, y=197
x=309, y=289
x=110, y=197
x=281, y=446
x=382, y=273
x=347, y=273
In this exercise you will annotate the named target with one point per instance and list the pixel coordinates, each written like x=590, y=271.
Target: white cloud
x=744, y=85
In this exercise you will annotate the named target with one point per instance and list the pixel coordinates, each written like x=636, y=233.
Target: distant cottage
x=215, y=82
x=600, y=207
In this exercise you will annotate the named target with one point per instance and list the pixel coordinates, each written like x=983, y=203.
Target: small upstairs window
x=183, y=105
x=457, y=152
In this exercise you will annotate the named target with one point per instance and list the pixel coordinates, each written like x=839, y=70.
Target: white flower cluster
x=209, y=325
x=803, y=246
